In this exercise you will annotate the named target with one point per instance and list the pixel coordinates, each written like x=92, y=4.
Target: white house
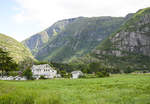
x=43, y=70
x=76, y=74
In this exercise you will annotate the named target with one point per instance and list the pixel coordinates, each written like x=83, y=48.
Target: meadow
x=116, y=89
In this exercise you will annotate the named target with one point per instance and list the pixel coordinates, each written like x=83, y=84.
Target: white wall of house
x=75, y=76
x=45, y=70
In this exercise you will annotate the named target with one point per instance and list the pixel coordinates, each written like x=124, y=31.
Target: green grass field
x=117, y=89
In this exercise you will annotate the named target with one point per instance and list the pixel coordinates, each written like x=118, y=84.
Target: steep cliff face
x=136, y=42
x=36, y=41
x=133, y=37
x=130, y=45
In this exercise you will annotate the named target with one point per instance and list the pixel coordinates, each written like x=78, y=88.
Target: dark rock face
x=136, y=42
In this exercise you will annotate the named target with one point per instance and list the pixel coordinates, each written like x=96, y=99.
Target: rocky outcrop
x=133, y=37
x=135, y=42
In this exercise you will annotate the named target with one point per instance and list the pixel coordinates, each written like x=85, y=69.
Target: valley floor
x=117, y=89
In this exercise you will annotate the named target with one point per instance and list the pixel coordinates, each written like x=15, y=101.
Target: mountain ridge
x=70, y=38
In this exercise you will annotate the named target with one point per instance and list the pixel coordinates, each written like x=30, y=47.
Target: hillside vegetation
x=71, y=38
x=15, y=49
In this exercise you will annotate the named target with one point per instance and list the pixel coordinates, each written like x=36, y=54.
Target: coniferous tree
x=6, y=62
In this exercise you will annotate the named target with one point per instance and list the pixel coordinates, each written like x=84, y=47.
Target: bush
x=82, y=76
x=145, y=71
x=67, y=75
x=128, y=70
x=42, y=77
x=85, y=70
x=88, y=76
x=64, y=74
x=115, y=70
x=103, y=73
x=100, y=74
x=13, y=73
x=28, y=74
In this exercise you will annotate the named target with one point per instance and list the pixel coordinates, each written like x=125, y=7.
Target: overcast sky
x=23, y=18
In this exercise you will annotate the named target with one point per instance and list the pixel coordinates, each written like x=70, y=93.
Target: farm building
x=76, y=74
x=43, y=70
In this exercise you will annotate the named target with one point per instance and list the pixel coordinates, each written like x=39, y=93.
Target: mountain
x=16, y=50
x=35, y=42
x=71, y=38
x=129, y=47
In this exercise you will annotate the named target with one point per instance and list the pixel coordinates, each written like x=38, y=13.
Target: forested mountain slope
x=71, y=38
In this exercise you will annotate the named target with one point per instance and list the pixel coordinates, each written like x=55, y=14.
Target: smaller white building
x=76, y=74
x=43, y=70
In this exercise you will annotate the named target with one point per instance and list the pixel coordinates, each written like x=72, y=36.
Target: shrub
x=85, y=70
x=128, y=70
x=145, y=71
x=82, y=76
x=100, y=74
x=88, y=76
x=103, y=73
x=13, y=73
x=64, y=74
x=28, y=74
x=67, y=75
x=42, y=77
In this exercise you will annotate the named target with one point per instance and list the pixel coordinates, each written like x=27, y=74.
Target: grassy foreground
x=117, y=89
